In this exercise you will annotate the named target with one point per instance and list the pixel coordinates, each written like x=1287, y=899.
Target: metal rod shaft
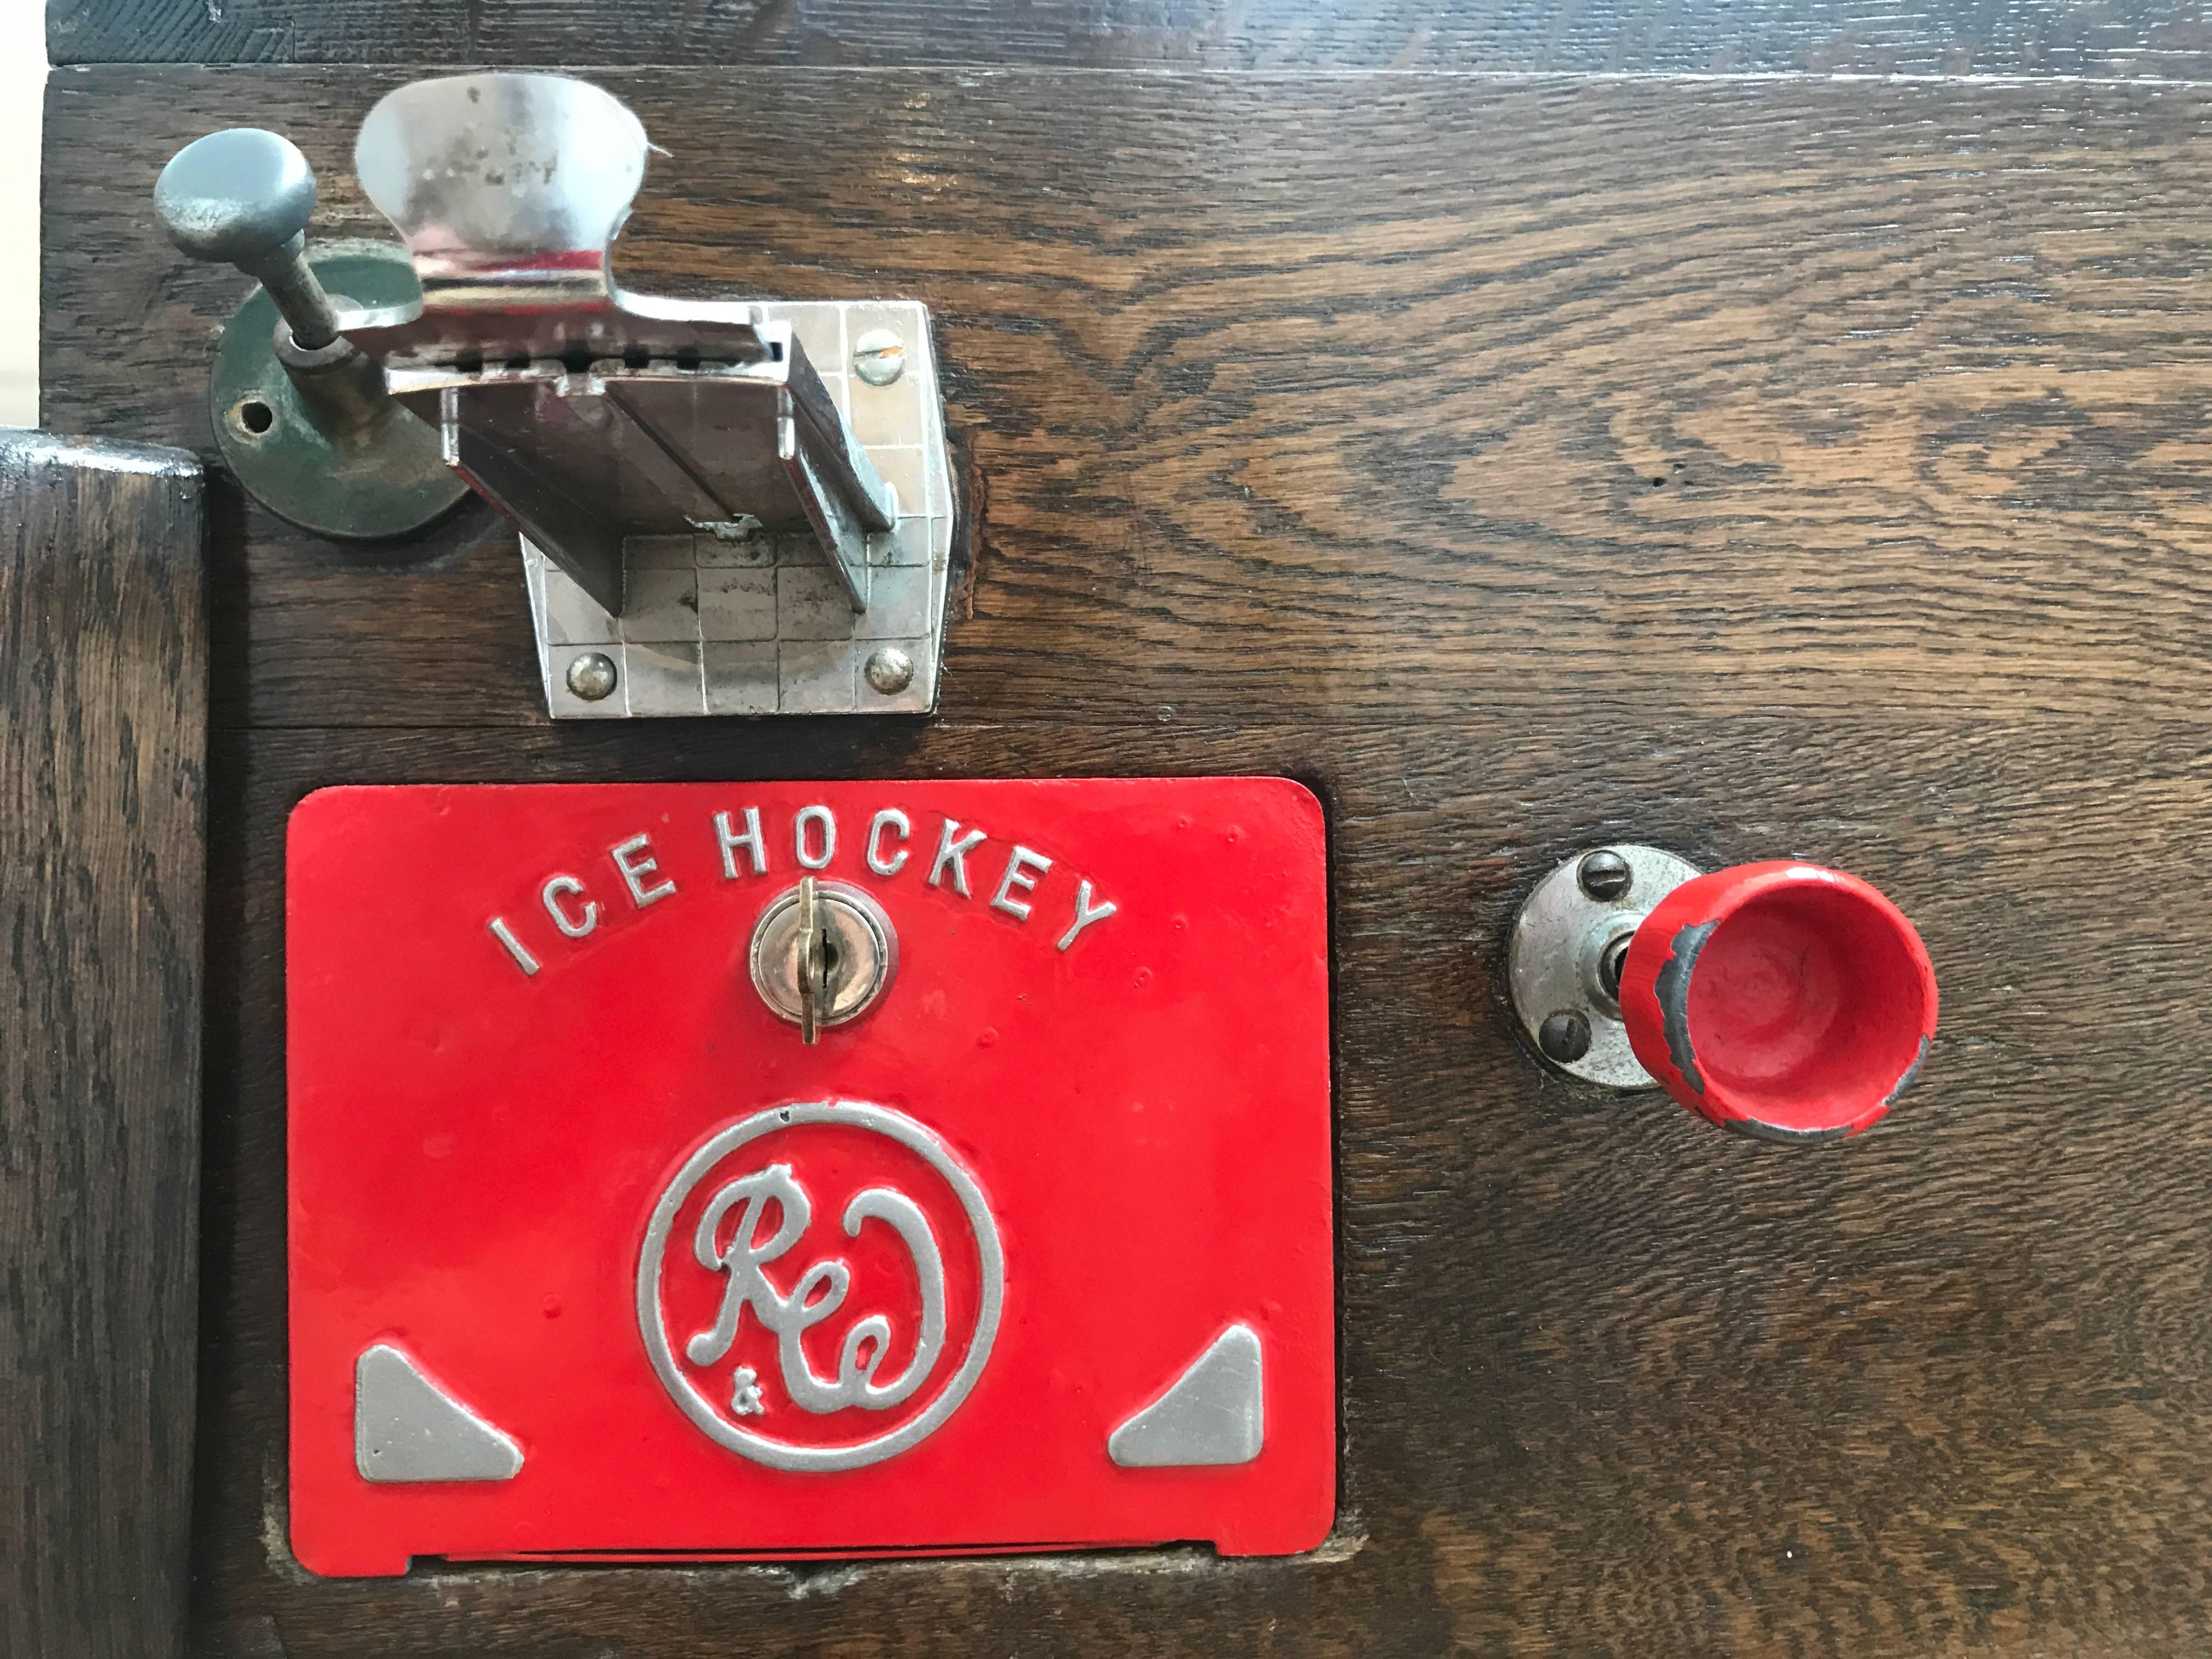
x=300, y=298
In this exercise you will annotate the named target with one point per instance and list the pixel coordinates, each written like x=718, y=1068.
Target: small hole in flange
x=253, y=416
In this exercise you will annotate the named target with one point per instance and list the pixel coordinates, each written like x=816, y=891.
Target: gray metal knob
x=243, y=196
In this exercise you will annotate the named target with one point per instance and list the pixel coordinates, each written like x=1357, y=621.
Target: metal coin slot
x=822, y=954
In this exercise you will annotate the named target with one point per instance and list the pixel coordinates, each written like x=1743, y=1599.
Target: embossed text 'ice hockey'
x=887, y=847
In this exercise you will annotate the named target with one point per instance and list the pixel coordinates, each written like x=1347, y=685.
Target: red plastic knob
x=1781, y=999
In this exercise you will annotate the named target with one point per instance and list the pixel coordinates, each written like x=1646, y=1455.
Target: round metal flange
x=1563, y=966
x=388, y=482
x=861, y=954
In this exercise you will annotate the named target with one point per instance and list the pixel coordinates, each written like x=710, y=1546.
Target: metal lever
x=243, y=197
x=300, y=412
x=727, y=507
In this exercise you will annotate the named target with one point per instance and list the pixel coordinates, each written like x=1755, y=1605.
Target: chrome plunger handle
x=243, y=197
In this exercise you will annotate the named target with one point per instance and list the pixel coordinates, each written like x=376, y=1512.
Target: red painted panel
x=1038, y=1181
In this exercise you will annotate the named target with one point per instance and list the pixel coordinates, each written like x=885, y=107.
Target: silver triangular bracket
x=407, y=1428
x=1213, y=1413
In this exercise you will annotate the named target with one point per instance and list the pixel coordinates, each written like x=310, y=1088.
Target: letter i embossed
x=505, y=935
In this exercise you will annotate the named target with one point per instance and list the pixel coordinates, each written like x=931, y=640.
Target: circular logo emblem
x=820, y=1286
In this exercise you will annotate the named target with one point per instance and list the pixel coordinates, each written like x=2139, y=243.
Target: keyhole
x=822, y=958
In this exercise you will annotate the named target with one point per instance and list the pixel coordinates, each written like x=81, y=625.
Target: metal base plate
x=760, y=625
x=1552, y=963
x=398, y=485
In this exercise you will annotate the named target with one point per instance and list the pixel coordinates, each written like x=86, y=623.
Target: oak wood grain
x=1753, y=468
x=1402, y=395
x=2117, y=38
x=103, y=736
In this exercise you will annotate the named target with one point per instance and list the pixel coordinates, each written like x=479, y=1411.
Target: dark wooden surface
x=1368, y=397
x=103, y=739
x=2107, y=38
x=1753, y=468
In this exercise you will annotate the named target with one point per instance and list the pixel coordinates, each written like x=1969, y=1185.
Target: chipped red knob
x=1781, y=999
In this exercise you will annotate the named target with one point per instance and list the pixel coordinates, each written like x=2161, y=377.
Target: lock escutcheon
x=822, y=954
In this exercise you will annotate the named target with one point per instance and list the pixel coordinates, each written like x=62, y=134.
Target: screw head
x=592, y=677
x=891, y=671
x=880, y=356
x=1605, y=875
x=1564, y=1037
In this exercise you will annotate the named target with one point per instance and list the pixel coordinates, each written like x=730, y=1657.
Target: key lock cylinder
x=728, y=507
x=1782, y=999
x=822, y=954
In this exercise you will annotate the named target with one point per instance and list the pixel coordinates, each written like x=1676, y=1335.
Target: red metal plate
x=592, y=1257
